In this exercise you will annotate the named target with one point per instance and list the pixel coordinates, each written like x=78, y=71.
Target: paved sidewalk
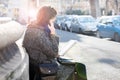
x=100, y=64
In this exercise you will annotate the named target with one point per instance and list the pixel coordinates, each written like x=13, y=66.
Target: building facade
x=62, y=5
x=110, y=7
x=22, y=9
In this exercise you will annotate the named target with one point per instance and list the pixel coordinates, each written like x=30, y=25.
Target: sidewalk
x=98, y=63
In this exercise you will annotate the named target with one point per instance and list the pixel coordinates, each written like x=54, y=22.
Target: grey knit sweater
x=40, y=45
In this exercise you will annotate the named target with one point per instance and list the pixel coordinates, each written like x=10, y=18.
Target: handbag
x=48, y=68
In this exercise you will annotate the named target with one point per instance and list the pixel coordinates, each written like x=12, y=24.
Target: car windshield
x=86, y=19
x=59, y=17
x=69, y=19
x=114, y=20
x=105, y=19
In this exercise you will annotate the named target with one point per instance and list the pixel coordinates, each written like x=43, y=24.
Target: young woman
x=40, y=40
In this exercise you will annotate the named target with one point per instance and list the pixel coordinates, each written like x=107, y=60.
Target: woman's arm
x=55, y=42
x=49, y=45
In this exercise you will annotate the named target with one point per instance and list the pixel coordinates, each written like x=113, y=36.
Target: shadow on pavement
x=111, y=62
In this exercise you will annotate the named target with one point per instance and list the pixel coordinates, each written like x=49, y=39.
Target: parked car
x=67, y=22
x=109, y=27
x=58, y=21
x=83, y=24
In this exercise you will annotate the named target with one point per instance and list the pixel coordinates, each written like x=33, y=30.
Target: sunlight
x=32, y=14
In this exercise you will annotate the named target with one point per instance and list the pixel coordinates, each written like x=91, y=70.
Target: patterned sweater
x=40, y=45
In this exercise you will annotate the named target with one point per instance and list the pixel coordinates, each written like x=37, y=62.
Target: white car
x=84, y=24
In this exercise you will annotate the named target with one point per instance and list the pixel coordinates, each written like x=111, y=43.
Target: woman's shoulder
x=34, y=27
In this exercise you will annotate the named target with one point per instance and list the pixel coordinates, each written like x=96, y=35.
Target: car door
x=75, y=25
x=109, y=29
x=72, y=24
x=102, y=28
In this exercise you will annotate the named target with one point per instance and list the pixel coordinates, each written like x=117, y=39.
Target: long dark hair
x=45, y=14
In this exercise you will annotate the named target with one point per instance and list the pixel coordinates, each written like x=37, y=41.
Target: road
x=101, y=57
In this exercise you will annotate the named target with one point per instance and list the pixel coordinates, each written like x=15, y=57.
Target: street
x=101, y=57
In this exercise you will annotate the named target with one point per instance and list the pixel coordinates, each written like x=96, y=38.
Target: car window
x=76, y=22
x=116, y=22
x=110, y=20
x=105, y=20
x=73, y=20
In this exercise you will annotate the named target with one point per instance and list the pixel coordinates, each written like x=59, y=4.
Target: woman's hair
x=45, y=14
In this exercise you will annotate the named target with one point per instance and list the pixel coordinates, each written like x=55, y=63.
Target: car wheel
x=65, y=28
x=80, y=31
x=60, y=27
x=98, y=34
x=70, y=29
x=116, y=37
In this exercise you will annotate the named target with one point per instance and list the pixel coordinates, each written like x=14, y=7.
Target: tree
x=111, y=7
x=94, y=6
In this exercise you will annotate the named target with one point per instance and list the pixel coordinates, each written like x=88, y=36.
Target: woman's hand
x=57, y=56
x=51, y=26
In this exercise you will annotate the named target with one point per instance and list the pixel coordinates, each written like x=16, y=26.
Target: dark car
x=67, y=22
x=109, y=27
x=83, y=24
x=58, y=21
